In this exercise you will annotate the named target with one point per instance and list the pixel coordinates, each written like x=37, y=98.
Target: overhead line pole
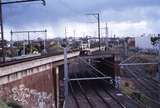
x=65, y=32
x=66, y=77
x=106, y=35
x=45, y=39
x=1, y=19
x=99, y=35
x=98, y=25
x=2, y=34
x=28, y=36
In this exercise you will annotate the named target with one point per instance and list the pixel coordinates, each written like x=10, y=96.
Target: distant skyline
x=124, y=17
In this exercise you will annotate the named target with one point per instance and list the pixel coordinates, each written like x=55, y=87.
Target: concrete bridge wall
x=36, y=83
x=33, y=84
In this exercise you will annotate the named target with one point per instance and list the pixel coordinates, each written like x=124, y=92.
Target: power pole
x=24, y=48
x=29, y=42
x=11, y=43
x=65, y=32
x=2, y=34
x=45, y=39
x=106, y=35
x=99, y=34
x=66, y=77
x=159, y=71
x=1, y=19
x=98, y=27
x=29, y=39
x=74, y=34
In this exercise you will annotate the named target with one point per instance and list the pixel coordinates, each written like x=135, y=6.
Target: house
x=144, y=42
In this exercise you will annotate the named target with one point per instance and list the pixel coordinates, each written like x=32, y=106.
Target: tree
x=154, y=40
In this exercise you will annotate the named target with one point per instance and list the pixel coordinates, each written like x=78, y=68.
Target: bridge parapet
x=40, y=76
x=5, y=70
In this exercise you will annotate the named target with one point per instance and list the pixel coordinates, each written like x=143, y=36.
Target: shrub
x=14, y=104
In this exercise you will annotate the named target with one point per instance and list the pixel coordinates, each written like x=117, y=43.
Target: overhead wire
x=122, y=106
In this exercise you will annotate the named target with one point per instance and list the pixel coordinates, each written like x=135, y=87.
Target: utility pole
x=2, y=34
x=98, y=27
x=99, y=34
x=106, y=35
x=65, y=33
x=158, y=71
x=11, y=44
x=66, y=78
x=1, y=19
x=45, y=39
x=125, y=48
x=24, y=48
x=29, y=40
x=74, y=34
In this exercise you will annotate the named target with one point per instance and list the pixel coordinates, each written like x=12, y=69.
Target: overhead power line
x=98, y=24
x=1, y=19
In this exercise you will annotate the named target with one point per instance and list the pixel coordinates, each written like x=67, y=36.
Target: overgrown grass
x=11, y=104
x=14, y=104
x=3, y=105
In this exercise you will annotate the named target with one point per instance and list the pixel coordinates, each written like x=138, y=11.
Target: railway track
x=74, y=95
x=126, y=104
x=105, y=91
x=90, y=94
x=143, y=77
x=40, y=56
x=150, y=93
x=147, y=82
x=141, y=70
x=93, y=96
x=93, y=90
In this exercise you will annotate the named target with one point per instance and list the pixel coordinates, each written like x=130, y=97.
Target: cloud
x=56, y=10
x=57, y=13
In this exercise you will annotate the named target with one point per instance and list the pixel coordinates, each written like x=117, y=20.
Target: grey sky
x=55, y=11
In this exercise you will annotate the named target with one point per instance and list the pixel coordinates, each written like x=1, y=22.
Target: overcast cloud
x=120, y=14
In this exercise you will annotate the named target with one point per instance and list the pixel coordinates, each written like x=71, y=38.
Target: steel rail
x=84, y=94
x=93, y=67
x=134, y=64
x=119, y=90
x=129, y=58
x=147, y=77
x=98, y=94
x=154, y=85
x=139, y=81
x=145, y=88
x=73, y=95
x=117, y=101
